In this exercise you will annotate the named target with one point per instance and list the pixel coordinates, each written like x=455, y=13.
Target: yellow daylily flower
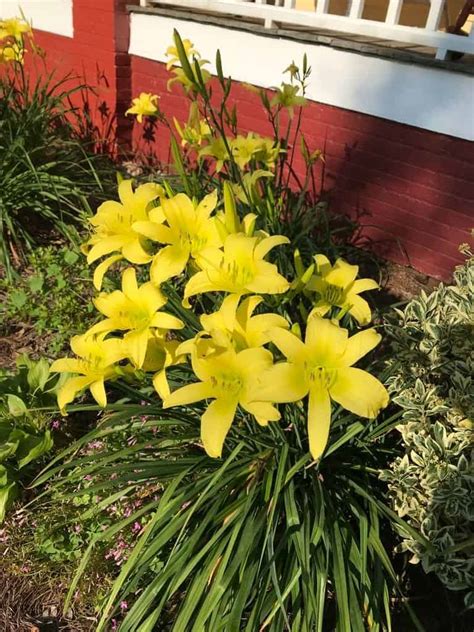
x=195, y=130
x=144, y=105
x=114, y=232
x=337, y=287
x=321, y=367
x=237, y=324
x=217, y=150
x=287, y=97
x=172, y=51
x=252, y=146
x=12, y=52
x=134, y=309
x=238, y=268
x=161, y=353
x=95, y=363
x=229, y=379
x=14, y=27
x=188, y=231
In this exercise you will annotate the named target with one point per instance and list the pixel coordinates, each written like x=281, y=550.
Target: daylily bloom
x=321, y=367
x=172, y=51
x=12, y=52
x=240, y=267
x=144, y=105
x=136, y=310
x=14, y=27
x=114, y=232
x=229, y=379
x=287, y=97
x=252, y=146
x=337, y=287
x=95, y=363
x=195, y=130
x=189, y=230
x=218, y=150
x=234, y=324
x=161, y=354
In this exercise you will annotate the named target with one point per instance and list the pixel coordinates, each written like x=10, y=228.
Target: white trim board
x=429, y=98
x=54, y=16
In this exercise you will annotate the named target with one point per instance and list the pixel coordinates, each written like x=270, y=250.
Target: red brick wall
x=413, y=189
x=98, y=55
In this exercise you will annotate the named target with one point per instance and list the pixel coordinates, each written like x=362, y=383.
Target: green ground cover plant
x=432, y=484
x=52, y=297
x=25, y=433
x=236, y=324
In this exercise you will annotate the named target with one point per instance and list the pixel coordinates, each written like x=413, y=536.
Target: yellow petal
x=319, y=420
x=125, y=191
x=364, y=285
x=198, y=284
x=154, y=231
x=258, y=328
x=215, y=424
x=289, y=344
x=67, y=365
x=323, y=265
x=321, y=308
x=189, y=394
x=98, y=393
x=161, y=384
x=167, y=263
x=267, y=280
x=129, y=283
x=282, y=383
x=102, y=268
x=359, y=345
x=262, y=411
x=134, y=252
x=179, y=211
x=342, y=274
x=166, y=321
x=69, y=390
x=326, y=342
x=359, y=309
x=136, y=343
x=104, y=247
x=207, y=205
x=264, y=246
x=359, y=392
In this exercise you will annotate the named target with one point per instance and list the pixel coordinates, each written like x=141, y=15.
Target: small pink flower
x=55, y=424
x=137, y=527
x=123, y=605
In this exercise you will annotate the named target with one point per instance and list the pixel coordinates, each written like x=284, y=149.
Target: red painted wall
x=413, y=189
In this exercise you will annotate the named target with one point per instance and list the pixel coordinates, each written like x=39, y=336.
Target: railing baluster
x=393, y=12
x=435, y=14
x=322, y=6
x=287, y=12
x=356, y=9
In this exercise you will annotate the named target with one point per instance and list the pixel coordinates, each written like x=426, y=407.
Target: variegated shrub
x=432, y=484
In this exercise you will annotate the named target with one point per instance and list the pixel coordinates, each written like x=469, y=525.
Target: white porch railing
x=286, y=12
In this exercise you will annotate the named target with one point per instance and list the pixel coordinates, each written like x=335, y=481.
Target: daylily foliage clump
x=216, y=254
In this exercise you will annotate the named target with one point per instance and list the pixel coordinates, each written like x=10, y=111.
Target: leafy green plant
x=25, y=435
x=289, y=528
x=432, y=485
x=48, y=169
x=52, y=296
